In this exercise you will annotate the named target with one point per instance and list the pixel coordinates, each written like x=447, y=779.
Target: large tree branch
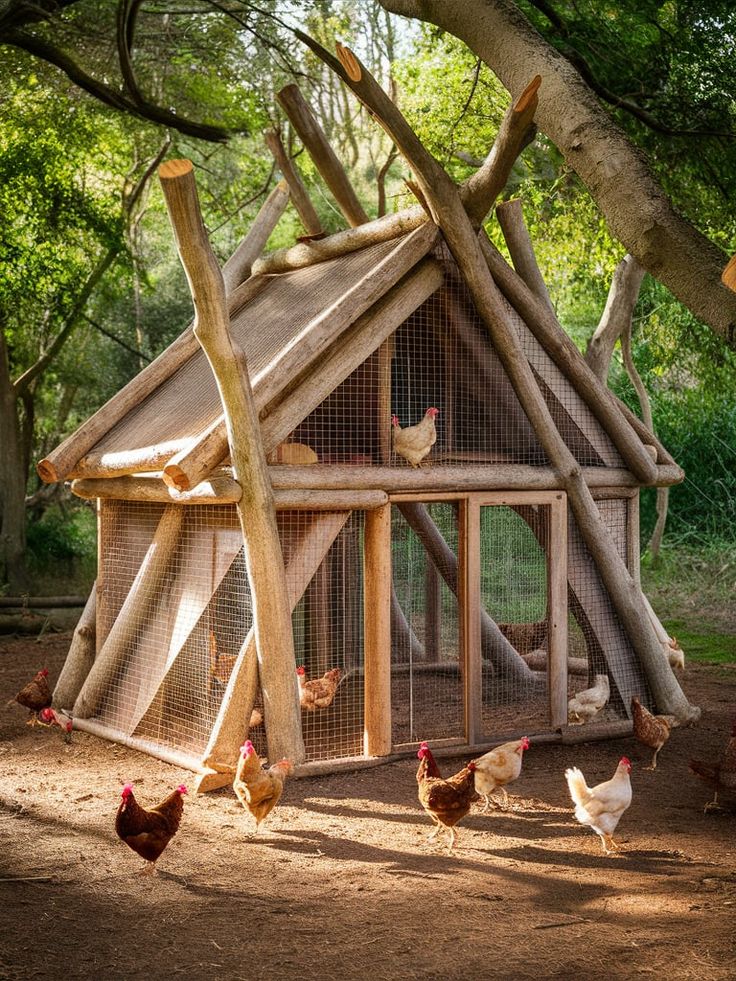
x=637, y=211
x=136, y=105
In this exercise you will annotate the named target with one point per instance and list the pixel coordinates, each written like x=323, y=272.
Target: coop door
x=517, y=580
x=426, y=650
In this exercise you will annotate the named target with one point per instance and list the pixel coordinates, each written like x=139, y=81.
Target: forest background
x=98, y=92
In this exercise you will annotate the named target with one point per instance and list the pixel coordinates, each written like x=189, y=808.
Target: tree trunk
x=614, y=171
x=12, y=484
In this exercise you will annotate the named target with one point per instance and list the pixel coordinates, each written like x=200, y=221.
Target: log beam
x=301, y=200
x=511, y=219
x=325, y=160
x=80, y=658
x=238, y=267
x=256, y=510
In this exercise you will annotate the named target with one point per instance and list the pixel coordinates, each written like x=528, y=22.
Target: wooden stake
x=299, y=196
x=511, y=219
x=324, y=157
x=80, y=658
x=142, y=596
x=256, y=509
x=377, y=643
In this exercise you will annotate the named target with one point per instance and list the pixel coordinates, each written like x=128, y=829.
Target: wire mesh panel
x=595, y=630
x=514, y=596
x=186, y=628
x=426, y=663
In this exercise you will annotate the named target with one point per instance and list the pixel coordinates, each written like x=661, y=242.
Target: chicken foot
x=609, y=845
x=653, y=764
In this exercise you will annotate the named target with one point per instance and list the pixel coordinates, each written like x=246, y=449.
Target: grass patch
x=702, y=644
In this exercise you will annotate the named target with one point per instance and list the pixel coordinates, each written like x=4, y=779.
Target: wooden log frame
x=186, y=469
x=80, y=658
x=312, y=136
x=238, y=267
x=300, y=199
x=377, y=638
x=231, y=726
x=511, y=219
x=447, y=478
x=542, y=322
x=493, y=644
x=449, y=213
x=256, y=511
x=728, y=276
x=139, y=601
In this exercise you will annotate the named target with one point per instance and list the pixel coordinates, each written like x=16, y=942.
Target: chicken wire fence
x=442, y=356
x=190, y=621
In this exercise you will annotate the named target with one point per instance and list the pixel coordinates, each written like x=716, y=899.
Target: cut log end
x=47, y=471
x=176, y=478
x=174, y=168
x=528, y=98
x=728, y=276
x=349, y=62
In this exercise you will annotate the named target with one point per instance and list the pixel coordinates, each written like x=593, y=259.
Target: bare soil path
x=340, y=883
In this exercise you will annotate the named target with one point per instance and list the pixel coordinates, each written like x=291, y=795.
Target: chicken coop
x=458, y=598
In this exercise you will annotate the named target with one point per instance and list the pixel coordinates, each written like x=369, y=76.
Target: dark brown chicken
x=651, y=730
x=149, y=830
x=35, y=696
x=446, y=801
x=721, y=776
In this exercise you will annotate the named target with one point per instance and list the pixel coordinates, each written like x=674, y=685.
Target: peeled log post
x=494, y=645
x=142, y=596
x=618, y=311
x=80, y=658
x=517, y=130
x=448, y=212
x=304, y=207
x=319, y=149
x=237, y=268
x=511, y=219
x=256, y=511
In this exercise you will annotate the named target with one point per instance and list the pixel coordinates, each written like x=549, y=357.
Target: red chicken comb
x=44, y=672
x=47, y=714
x=181, y=789
x=127, y=791
x=301, y=669
x=525, y=744
x=625, y=761
x=424, y=750
x=394, y=420
x=432, y=411
x=247, y=748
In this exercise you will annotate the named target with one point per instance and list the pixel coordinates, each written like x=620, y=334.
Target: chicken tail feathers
x=576, y=785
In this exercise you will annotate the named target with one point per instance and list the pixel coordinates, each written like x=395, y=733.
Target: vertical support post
x=632, y=538
x=377, y=643
x=557, y=611
x=470, y=632
x=385, y=360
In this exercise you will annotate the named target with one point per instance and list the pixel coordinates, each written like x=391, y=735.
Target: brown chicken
x=221, y=665
x=149, y=830
x=721, y=776
x=499, y=767
x=415, y=442
x=35, y=696
x=651, y=730
x=446, y=801
x=259, y=790
x=319, y=693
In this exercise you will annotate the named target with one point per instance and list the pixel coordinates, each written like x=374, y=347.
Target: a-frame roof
x=289, y=327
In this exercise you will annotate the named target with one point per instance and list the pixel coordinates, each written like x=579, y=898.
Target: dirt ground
x=341, y=883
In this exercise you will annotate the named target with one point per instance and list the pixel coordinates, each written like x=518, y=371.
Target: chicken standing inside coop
x=320, y=692
x=495, y=769
x=601, y=807
x=415, y=442
x=149, y=830
x=259, y=790
x=722, y=775
x=585, y=705
x=446, y=801
x=651, y=730
x=35, y=696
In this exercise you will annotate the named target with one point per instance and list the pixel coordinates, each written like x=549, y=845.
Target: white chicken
x=674, y=654
x=498, y=767
x=415, y=442
x=601, y=807
x=585, y=705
